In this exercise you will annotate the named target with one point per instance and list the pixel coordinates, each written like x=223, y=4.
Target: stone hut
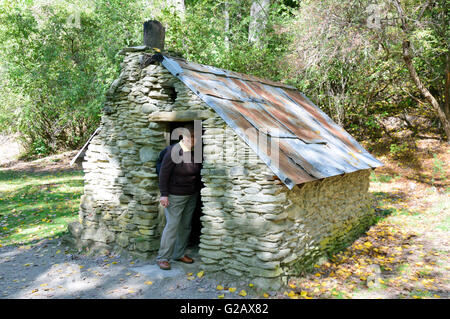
x=261, y=215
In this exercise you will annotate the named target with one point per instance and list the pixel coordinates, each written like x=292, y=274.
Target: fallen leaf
x=243, y=293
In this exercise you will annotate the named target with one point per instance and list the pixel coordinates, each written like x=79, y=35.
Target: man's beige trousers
x=176, y=233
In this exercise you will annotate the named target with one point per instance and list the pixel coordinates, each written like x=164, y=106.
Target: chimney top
x=154, y=34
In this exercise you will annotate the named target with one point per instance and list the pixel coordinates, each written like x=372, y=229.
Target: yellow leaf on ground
x=149, y=282
x=200, y=274
x=220, y=296
x=243, y=293
x=219, y=287
x=231, y=289
x=265, y=295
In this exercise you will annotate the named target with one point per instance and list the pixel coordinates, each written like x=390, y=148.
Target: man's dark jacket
x=179, y=179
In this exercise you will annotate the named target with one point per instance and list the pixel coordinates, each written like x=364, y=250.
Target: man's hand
x=164, y=200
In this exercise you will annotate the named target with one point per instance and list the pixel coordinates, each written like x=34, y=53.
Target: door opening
x=194, y=238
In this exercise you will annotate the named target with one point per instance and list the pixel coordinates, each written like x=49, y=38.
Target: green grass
x=380, y=178
x=420, y=293
x=445, y=225
x=34, y=206
x=404, y=268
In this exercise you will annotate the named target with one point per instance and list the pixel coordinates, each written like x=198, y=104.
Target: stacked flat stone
x=253, y=226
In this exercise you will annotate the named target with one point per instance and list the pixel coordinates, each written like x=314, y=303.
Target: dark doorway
x=194, y=238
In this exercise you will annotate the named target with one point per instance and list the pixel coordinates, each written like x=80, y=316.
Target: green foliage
x=356, y=73
x=438, y=168
x=58, y=58
x=201, y=37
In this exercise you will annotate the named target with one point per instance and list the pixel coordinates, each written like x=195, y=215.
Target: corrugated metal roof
x=312, y=146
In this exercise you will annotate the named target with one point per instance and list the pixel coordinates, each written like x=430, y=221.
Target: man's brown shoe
x=163, y=264
x=186, y=259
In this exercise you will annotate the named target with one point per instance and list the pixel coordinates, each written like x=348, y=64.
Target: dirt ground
x=46, y=271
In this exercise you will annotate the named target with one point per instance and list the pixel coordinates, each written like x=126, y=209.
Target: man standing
x=179, y=184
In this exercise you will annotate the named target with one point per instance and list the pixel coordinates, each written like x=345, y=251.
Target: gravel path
x=49, y=270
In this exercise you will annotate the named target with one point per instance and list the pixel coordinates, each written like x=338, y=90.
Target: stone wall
x=255, y=227
x=242, y=206
x=324, y=217
x=120, y=206
x=252, y=226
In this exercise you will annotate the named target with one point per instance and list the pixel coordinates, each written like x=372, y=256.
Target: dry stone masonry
x=253, y=226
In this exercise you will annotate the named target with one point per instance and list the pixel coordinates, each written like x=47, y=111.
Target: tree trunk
x=178, y=6
x=444, y=118
x=258, y=20
x=226, y=13
x=447, y=87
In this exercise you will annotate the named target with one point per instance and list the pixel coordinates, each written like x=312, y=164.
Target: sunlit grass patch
x=382, y=178
x=419, y=294
x=34, y=206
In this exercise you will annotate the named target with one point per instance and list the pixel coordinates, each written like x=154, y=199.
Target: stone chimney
x=154, y=34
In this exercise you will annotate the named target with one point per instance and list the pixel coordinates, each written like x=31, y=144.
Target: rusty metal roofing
x=311, y=145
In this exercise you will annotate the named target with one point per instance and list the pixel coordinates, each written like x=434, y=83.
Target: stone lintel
x=180, y=116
